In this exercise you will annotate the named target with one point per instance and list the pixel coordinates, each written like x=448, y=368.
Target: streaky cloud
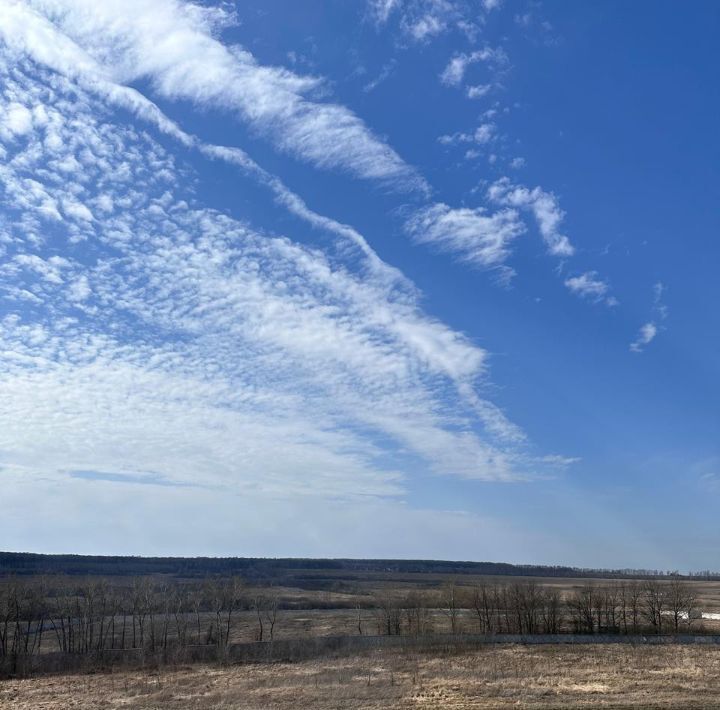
x=169, y=43
x=543, y=205
x=474, y=235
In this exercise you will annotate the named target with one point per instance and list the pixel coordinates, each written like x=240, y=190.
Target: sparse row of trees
x=633, y=607
x=153, y=614
x=526, y=607
x=92, y=616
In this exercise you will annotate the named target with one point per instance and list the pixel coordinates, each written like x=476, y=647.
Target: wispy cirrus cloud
x=478, y=91
x=108, y=47
x=188, y=335
x=484, y=238
x=649, y=331
x=476, y=236
x=543, y=205
x=485, y=133
x=589, y=285
x=454, y=72
x=659, y=307
x=380, y=10
x=421, y=20
x=645, y=336
x=384, y=74
x=161, y=343
x=172, y=44
x=42, y=41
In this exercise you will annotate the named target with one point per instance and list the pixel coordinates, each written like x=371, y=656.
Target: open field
x=498, y=677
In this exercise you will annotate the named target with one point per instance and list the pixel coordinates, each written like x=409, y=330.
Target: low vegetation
x=531, y=677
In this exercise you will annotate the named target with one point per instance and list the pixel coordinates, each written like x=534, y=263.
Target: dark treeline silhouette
x=282, y=570
x=105, y=617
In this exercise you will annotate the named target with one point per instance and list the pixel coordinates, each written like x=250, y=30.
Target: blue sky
x=397, y=278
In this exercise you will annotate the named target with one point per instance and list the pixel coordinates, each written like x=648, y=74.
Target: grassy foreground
x=497, y=677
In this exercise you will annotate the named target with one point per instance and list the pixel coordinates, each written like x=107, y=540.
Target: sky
x=375, y=278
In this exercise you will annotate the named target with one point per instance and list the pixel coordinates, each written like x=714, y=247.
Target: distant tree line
x=278, y=570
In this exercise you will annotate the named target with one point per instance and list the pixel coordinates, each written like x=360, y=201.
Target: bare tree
x=450, y=604
x=485, y=604
x=266, y=612
x=504, y=603
x=531, y=599
x=224, y=598
x=257, y=606
x=8, y=607
x=417, y=614
x=141, y=604
x=582, y=605
x=272, y=604
x=181, y=607
x=634, y=604
x=551, y=611
x=654, y=604
x=681, y=601
x=388, y=614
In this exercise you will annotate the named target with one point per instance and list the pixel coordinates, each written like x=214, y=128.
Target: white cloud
x=478, y=91
x=17, y=119
x=658, y=305
x=49, y=270
x=385, y=72
x=421, y=20
x=473, y=235
x=171, y=44
x=454, y=72
x=382, y=9
x=645, y=336
x=61, y=54
x=172, y=342
x=72, y=208
x=543, y=205
x=649, y=330
x=79, y=289
x=203, y=344
x=485, y=133
x=426, y=26
x=589, y=285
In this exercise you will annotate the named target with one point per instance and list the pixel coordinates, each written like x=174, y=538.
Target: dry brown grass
x=534, y=677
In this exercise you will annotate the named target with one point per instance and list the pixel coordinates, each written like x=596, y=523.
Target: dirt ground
x=497, y=677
